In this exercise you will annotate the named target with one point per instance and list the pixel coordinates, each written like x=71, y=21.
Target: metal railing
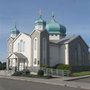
x=51, y=71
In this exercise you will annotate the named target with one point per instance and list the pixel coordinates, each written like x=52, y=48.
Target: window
x=35, y=51
x=44, y=53
x=35, y=43
x=21, y=46
x=38, y=62
x=35, y=61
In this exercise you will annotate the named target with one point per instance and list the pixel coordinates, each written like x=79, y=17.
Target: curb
x=77, y=78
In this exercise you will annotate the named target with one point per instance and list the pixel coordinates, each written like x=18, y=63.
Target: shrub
x=25, y=72
x=45, y=65
x=17, y=73
x=40, y=73
x=63, y=67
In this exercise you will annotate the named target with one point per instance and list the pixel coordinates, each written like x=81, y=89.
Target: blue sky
x=74, y=14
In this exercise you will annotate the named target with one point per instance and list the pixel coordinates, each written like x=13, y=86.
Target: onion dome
x=40, y=21
x=14, y=32
x=55, y=28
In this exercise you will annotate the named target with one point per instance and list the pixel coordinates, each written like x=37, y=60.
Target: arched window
x=21, y=46
x=35, y=51
x=44, y=45
x=35, y=44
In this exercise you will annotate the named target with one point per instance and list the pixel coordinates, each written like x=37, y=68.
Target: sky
x=73, y=14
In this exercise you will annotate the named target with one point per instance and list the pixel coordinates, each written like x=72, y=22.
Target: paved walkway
x=54, y=81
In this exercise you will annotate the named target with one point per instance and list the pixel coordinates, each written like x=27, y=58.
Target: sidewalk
x=54, y=81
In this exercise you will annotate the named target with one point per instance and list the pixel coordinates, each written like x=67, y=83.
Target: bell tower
x=40, y=23
x=14, y=32
x=40, y=41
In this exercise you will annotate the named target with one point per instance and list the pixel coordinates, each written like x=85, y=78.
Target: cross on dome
x=40, y=13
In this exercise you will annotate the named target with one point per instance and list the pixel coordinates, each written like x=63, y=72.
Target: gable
x=21, y=35
x=12, y=56
x=80, y=40
x=35, y=33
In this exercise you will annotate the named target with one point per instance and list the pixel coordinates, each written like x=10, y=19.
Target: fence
x=50, y=71
x=55, y=72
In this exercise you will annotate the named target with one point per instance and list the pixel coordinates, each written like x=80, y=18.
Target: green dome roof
x=40, y=21
x=55, y=28
x=15, y=31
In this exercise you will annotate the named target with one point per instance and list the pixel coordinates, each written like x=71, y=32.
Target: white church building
x=48, y=44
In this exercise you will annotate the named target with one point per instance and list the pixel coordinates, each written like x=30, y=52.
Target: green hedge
x=72, y=68
x=63, y=67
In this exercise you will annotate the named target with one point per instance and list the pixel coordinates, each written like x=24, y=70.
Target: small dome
x=14, y=32
x=62, y=29
x=40, y=21
x=55, y=28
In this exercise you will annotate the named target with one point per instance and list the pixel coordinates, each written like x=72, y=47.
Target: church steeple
x=14, y=32
x=53, y=17
x=40, y=23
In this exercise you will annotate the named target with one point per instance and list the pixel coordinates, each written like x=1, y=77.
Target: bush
x=45, y=65
x=2, y=65
x=17, y=73
x=63, y=67
x=40, y=73
x=25, y=72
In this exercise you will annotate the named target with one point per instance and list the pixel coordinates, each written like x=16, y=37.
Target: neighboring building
x=48, y=44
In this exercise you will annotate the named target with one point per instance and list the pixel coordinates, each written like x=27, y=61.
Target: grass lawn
x=81, y=73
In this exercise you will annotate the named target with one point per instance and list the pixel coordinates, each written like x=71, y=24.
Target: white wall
x=67, y=54
x=54, y=37
x=35, y=51
x=27, y=51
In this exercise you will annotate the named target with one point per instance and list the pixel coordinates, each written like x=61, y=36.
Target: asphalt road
x=8, y=84
x=87, y=80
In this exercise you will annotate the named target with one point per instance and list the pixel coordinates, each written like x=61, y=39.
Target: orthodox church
x=48, y=44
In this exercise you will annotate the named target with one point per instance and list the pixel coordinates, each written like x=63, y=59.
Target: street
x=84, y=80
x=9, y=84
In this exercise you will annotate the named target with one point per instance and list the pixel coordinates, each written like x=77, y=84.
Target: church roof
x=19, y=55
x=20, y=35
x=67, y=39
